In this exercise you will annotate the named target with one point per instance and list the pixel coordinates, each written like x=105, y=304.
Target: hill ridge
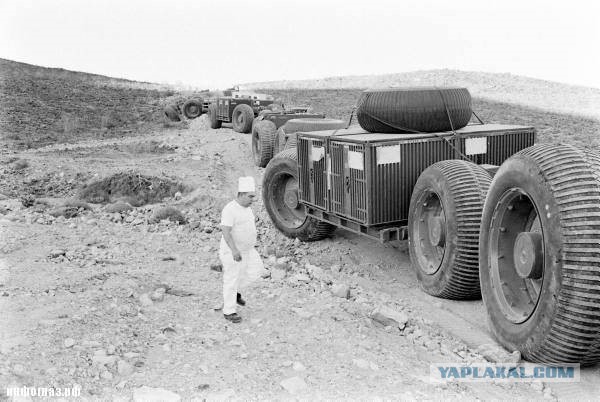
x=501, y=87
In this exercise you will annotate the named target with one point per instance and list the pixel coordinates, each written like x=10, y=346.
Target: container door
x=348, y=181
x=312, y=163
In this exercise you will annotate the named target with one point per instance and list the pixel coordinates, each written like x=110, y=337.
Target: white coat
x=237, y=275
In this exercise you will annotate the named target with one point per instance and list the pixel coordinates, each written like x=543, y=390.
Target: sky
x=219, y=43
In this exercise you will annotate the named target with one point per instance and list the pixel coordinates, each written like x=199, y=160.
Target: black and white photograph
x=339, y=200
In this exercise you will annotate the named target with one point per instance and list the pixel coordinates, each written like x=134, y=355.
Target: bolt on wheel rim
x=429, y=232
x=516, y=253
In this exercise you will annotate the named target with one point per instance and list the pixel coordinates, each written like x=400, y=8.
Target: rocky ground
x=115, y=301
x=109, y=276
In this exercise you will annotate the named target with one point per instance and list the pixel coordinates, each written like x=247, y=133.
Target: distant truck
x=240, y=109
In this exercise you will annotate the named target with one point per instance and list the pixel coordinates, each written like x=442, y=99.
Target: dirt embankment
x=40, y=106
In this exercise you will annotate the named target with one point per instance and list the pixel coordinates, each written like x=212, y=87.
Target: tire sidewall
x=241, y=112
x=523, y=172
x=431, y=181
x=276, y=167
x=212, y=114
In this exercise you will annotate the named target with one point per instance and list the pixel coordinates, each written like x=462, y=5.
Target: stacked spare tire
x=410, y=110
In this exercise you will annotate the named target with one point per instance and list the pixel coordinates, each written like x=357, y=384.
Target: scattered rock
x=149, y=394
x=56, y=253
x=158, y=294
x=278, y=274
x=145, y=300
x=389, y=317
x=341, y=290
x=168, y=213
x=118, y=207
x=293, y=385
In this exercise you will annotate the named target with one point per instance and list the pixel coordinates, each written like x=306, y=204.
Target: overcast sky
x=214, y=44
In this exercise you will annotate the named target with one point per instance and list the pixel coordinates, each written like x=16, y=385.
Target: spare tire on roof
x=419, y=109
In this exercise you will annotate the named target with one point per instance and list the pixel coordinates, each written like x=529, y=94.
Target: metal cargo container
x=368, y=177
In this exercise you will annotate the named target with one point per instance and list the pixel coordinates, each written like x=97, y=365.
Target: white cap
x=246, y=184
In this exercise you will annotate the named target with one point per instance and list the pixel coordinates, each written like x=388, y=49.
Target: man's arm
x=237, y=256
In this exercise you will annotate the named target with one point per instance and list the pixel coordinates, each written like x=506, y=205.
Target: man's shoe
x=233, y=318
x=240, y=301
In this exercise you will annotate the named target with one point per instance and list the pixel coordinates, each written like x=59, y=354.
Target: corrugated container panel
x=372, y=176
x=312, y=186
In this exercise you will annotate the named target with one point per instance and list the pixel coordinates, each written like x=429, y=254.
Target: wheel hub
x=516, y=248
x=430, y=232
x=528, y=255
x=437, y=233
x=290, y=198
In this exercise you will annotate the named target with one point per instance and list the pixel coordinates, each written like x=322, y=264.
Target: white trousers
x=238, y=275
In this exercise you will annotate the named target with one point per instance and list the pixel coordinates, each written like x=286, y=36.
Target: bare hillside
x=41, y=106
x=505, y=88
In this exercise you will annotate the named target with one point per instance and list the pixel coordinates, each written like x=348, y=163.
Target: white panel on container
x=356, y=160
x=476, y=146
x=317, y=153
x=388, y=154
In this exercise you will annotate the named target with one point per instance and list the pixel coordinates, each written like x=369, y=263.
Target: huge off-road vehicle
x=486, y=212
x=238, y=109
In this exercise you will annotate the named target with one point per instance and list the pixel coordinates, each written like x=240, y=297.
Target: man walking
x=242, y=264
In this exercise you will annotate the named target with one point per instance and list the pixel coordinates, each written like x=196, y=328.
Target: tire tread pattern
x=404, y=110
x=574, y=335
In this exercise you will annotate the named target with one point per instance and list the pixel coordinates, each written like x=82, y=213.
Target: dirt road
x=114, y=303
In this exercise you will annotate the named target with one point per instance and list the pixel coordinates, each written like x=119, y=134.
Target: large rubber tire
x=212, y=116
x=263, y=139
x=546, y=301
x=444, y=220
x=242, y=118
x=280, y=196
x=192, y=108
x=171, y=113
x=401, y=110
